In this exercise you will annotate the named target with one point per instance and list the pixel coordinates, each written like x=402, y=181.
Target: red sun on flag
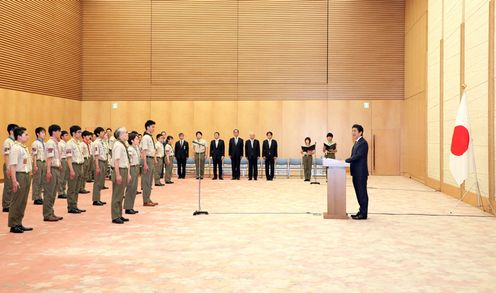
x=460, y=141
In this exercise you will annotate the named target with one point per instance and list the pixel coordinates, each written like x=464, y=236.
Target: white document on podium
x=334, y=163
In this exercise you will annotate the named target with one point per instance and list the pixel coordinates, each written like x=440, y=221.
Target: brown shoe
x=149, y=204
x=60, y=218
x=51, y=219
x=155, y=203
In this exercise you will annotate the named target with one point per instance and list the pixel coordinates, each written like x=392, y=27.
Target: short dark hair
x=63, y=133
x=169, y=137
x=11, y=127
x=86, y=133
x=329, y=134
x=39, y=130
x=99, y=130
x=269, y=132
x=309, y=139
x=53, y=128
x=74, y=129
x=159, y=135
x=180, y=133
x=216, y=133
x=109, y=129
x=149, y=123
x=18, y=131
x=131, y=137
x=199, y=132
x=358, y=127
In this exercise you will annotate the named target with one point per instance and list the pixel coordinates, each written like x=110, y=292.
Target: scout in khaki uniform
x=75, y=160
x=169, y=160
x=160, y=153
x=307, y=153
x=134, y=162
x=330, y=147
x=149, y=160
x=20, y=164
x=52, y=178
x=121, y=176
x=7, y=186
x=64, y=174
x=200, y=149
x=86, y=161
x=100, y=156
x=39, y=169
x=91, y=174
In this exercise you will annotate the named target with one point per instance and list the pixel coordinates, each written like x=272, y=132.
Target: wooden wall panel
x=365, y=56
x=40, y=47
x=242, y=50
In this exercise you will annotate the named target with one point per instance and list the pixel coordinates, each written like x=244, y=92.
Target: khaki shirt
x=160, y=149
x=199, y=148
x=99, y=149
x=74, y=151
x=62, y=146
x=20, y=157
x=38, y=150
x=169, y=150
x=133, y=155
x=147, y=145
x=52, y=152
x=7, y=145
x=119, y=152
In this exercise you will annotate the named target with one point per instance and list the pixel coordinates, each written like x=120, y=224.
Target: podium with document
x=336, y=189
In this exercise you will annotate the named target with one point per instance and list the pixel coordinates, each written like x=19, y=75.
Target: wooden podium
x=336, y=189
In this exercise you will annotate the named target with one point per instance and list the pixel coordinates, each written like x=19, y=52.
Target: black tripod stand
x=199, y=210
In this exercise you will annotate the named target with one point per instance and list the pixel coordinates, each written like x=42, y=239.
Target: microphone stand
x=315, y=167
x=199, y=210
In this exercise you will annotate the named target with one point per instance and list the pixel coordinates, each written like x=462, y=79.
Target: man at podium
x=359, y=170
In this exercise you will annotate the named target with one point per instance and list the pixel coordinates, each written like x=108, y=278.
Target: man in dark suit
x=252, y=152
x=269, y=153
x=217, y=151
x=181, y=152
x=235, y=153
x=359, y=170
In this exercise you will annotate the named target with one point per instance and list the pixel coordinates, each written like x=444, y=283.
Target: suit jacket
x=236, y=150
x=252, y=152
x=358, y=159
x=219, y=151
x=271, y=152
x=181, y=153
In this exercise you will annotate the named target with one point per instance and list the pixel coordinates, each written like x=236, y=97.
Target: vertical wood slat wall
x=246, y=50
x=40, y=47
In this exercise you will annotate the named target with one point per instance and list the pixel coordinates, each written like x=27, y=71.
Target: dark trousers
x=235, y=166
x=269, y=168
x=252, y=168
x=360, y=185
x=217, y=165
x=181, y=168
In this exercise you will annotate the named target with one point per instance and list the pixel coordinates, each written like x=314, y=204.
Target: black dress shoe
x=359, y=217
x=103, y=202
x=5, y=210
x=169, y=182
x=80, y=210
x=16, y=229
x=89, y=181
x=124, y=219
x=62, y=196
x=26, y=228
x=84, y=192
x=135, y=211
x=105, y=187
x=73, y=211
x=38, y=202
x=130, y=212
x=138, y=192
x=117, y=221
x=214, y=178
x=97, y=203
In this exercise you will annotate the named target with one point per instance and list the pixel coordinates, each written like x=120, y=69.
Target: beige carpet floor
x=259, y=237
